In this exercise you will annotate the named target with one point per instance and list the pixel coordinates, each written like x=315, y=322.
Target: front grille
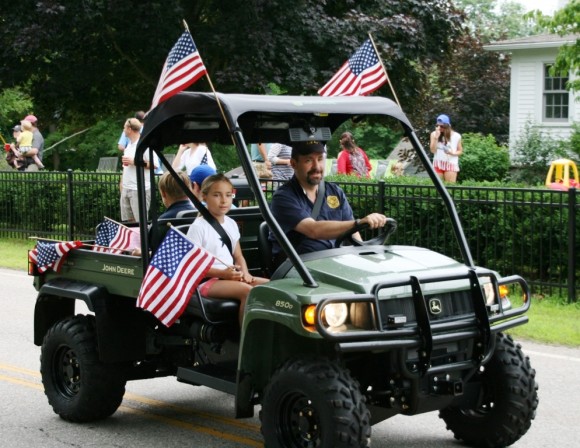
x=452, y=304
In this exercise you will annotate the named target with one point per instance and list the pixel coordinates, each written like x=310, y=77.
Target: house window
x=555, y=96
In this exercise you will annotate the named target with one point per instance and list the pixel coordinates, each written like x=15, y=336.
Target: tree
x=88, y=60
x=566, y=21
x=492, y=21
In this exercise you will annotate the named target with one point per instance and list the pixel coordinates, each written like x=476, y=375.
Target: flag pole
x=384, y=69
x=212, y=88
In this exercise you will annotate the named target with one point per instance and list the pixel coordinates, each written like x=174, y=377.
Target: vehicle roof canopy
x=195, y=116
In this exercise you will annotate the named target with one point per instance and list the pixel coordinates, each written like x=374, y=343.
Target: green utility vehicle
x=337, y=341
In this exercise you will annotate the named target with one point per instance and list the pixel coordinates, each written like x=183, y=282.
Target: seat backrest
x=382, y=166
x=265, y=248
x=108, y=164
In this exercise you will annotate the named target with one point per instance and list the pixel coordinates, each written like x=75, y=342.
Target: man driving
x=313, y=213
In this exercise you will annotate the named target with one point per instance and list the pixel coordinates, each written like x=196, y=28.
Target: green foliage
x=79, y=148
x=566, y=21
x=472, y=87
x=483, y=159
x=85, y=60
x=15, y=104
x=493, y=20
x=575, y=142
x=544, y=312
x=533, y=152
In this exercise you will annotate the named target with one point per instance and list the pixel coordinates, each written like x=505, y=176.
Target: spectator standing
x=279, y=156
x=446, y=144
x=259, y=153
x=13, y=157
x=190, y=155
x=25, y=143
x=124, y=141
x=352, y=159
x=37, y=145
x=129, y=197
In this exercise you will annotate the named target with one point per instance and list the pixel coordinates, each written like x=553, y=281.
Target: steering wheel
x=388, y=229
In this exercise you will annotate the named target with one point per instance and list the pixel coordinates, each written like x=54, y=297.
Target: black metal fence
x=530, y=232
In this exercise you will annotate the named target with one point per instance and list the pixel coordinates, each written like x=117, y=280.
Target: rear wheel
x=314, y=403
x=506, y=403
x=79, y=387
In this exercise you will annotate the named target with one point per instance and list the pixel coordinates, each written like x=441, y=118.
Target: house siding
x=526, y=104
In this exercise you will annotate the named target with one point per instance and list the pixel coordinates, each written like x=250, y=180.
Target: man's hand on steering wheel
x=372, y=221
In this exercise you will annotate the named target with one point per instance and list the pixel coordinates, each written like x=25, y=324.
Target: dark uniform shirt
x=177, y=207
x=290, y=205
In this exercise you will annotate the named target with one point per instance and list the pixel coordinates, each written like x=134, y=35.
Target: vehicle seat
x=265, y=249
x=213, y=310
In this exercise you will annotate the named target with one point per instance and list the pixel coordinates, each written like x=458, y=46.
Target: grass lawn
x=13, y=253
x=552, y=320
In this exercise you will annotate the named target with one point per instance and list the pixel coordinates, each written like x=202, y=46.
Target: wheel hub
x=303, y=422
x=67, y=372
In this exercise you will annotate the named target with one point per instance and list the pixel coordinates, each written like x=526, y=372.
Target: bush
x=533, y=152
x=482, y=159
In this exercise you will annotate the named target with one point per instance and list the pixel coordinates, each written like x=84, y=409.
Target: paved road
x=163, y=412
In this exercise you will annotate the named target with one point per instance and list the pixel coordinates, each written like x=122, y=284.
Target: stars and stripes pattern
x=115, y=238
x=362, y=74
x=176, y=269
x=182, y=68
x=51, y=255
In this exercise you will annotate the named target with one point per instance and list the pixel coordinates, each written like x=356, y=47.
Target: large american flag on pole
x=174, y=272
x=115, y=238
x=47, y=255
x=362, y=74
x=182, y=68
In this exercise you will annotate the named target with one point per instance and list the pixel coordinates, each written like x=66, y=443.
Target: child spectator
x=25, y=142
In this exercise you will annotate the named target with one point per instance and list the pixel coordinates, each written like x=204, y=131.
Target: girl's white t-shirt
x=204, y=235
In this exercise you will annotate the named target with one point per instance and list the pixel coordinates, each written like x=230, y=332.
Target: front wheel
x=314, y=403
x=506, y=403
x=79, y=387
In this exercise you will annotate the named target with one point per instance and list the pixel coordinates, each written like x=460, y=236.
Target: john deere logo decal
x=435, y=306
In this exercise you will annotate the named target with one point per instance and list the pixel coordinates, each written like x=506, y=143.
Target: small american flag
x=359, y=76
x=176, y=269
x=116, y=238
x=182, y=68
x=49, y=255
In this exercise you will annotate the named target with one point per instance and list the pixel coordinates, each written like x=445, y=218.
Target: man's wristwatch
x=356, y=222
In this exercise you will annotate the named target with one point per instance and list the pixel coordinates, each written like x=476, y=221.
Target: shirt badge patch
x=332, y=201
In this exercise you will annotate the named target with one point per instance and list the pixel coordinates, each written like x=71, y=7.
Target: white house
x=535, y=95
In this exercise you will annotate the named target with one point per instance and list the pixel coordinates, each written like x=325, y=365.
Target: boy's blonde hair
x=26, y=125
x=215, y=178
x=168, y=184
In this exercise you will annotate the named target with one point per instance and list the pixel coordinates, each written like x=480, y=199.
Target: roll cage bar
x=237, y=118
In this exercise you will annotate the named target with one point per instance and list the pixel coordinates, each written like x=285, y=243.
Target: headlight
x=335, y=314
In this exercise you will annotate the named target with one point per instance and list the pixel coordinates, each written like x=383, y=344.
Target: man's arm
x=330, y=230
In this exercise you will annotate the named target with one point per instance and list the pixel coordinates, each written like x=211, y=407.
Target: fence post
x=381, y=197
x=69, y=200
x=572, y=245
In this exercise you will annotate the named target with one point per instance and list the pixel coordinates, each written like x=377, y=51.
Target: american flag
x=360, y=75
x=182, y=68
x=116, y=238
x=176, y=269
x=48, y=255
